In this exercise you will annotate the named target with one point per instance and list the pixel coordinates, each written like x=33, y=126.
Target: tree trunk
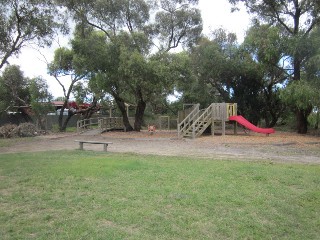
x=65, y=123
x=87, y=113
x=274, y=120
x=141, y=107
x=302, y=120
x=138, y=121
x=296, y=69
x=60, y=120
x=122, y=108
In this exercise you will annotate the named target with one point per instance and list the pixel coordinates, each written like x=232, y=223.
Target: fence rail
x=86, y=124
x=110, y=123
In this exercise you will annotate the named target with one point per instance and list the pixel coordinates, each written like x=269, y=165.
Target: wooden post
x=105, y=146
x=81, y=145
x=212, y=127
x=223, y=118
x=223, y=127
x=193, y=132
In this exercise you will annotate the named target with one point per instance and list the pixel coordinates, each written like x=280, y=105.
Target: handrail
x=198, y=120
x=82, y=124
x=207, y=112
x=110, y=122
x=231, y=110
x=184, y=125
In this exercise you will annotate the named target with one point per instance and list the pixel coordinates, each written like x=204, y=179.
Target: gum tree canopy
x=26, y=22
x=139, y=33
x=296, y=19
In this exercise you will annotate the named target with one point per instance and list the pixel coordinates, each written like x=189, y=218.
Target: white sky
x=215, y=14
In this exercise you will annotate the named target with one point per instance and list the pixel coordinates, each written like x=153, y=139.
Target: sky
x=215, y=14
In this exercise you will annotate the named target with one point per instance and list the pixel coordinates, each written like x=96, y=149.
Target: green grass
x=95, y=195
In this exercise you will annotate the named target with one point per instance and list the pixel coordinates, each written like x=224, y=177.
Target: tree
x=17, y=90
x=177, y=23
x=14, y=89
x=214, y=66
x=63, y=66
x=112, y=18
x=229, y=72
x=126, y=74
x=26, y=22
x=102, y=59
x=40, y=100
x=266, y=46
x=296, y=19
x=302, y=97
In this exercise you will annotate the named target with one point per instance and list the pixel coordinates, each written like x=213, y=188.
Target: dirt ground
x=279, y=147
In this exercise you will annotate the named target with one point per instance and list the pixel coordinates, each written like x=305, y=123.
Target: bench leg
x=105, y=146
x=81, y=145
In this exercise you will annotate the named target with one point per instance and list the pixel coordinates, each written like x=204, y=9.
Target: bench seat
x=81, y=142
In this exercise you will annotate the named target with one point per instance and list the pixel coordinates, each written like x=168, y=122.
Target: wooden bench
x=81, y=142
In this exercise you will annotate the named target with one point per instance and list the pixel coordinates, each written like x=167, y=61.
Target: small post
x=81, y=145
x=105, y=146
x=212, y=128
x=193, y=132
x=223, y=127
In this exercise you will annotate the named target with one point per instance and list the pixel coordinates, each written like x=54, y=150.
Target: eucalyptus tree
x=303, y=95
x=27, y=22
x=226, y=71
x=14, y=88
x=213, y=64
x=118, y=69
x=18, y=90
x=266, y=47
x=296, y=19
x=66, y=67
x=137, y=39
x=40, y=100
x=177, y=23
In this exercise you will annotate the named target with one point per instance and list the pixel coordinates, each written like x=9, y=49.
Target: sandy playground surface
x=279, y=147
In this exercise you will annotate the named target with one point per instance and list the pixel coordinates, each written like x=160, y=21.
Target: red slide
x=244, y=122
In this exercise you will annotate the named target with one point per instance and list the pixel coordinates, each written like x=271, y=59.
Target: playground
x=245, y=146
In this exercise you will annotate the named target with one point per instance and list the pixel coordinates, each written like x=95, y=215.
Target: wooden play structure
x=198, y=120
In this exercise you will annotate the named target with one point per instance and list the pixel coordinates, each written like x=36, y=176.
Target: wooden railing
x=198, y=120
x=86, y=124
x=110, y=123
x=231, y=110
x=187, y=122
x=202, y=122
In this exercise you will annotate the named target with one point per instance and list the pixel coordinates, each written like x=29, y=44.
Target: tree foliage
x=17, y=90
x=66, y=66
x=296, y=21
x=40, y=100
x=14, y=88
x=27, y=22
x=266, y=46
x=119, y=53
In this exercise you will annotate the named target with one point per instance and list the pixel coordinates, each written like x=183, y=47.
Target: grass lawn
x=96, y=195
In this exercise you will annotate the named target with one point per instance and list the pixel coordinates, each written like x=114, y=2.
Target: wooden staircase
x=198, y=121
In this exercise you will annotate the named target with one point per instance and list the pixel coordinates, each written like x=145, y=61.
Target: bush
x=8, y=131
x=23, y=130
x=27, y=130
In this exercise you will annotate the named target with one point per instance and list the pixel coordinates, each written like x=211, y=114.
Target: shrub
x=23, y=130
x=8, y=131
x=27, y=130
